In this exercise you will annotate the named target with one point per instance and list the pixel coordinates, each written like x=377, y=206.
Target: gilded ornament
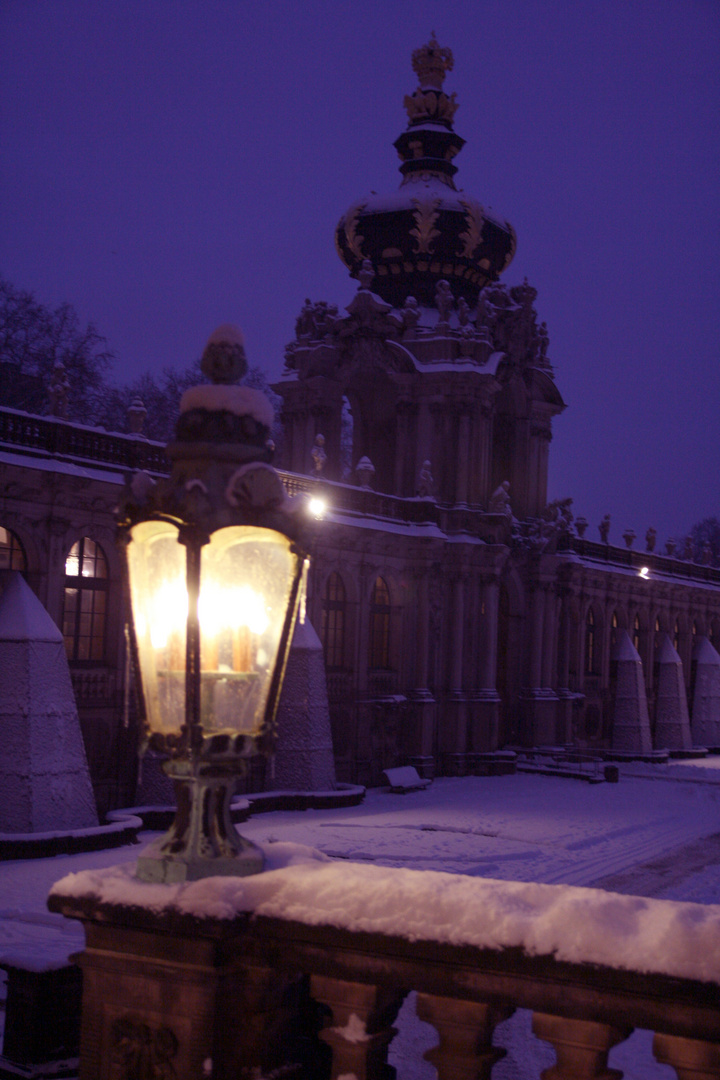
x=447, y=106
x=425, y=214
x=354, y=240
x=430, y=63
x=474, y=221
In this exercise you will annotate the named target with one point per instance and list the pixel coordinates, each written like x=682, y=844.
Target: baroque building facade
x=459, y=612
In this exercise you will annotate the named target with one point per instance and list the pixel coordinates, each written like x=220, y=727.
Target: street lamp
x=216, y=558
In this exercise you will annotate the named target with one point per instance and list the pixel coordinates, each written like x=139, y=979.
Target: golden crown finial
x=430, y=63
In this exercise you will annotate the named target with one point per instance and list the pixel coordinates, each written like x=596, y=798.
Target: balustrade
x=216, y=987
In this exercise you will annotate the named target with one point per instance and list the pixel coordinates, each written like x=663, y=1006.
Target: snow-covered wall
x=572, y=924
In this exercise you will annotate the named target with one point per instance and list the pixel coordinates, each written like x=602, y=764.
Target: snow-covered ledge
x=577, y=925
x=592, y=965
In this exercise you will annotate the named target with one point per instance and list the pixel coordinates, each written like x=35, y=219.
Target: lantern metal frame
x=220, y=477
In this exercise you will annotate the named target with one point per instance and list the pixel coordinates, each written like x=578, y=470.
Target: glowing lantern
x=215, y=560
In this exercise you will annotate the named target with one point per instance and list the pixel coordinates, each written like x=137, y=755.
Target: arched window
x=590, y=642
x=613, y=630
x=12, y=556
x=636, y=633
x=86, y=588
x=333, y=621
x=379, y=636
x=658, y=635
x=676, y=634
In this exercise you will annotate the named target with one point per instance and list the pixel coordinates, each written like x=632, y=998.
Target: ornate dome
x=428, y=230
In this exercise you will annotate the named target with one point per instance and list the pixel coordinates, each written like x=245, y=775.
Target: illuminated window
x=12, y=556
x=590, y=643
x=86, y=588
x=614, y=630
x=676, y=634
x=379, y=637
x=636, y=633
x=333, y=621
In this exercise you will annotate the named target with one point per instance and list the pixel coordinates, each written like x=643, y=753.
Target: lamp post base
x=156, y=865
x=202, y=840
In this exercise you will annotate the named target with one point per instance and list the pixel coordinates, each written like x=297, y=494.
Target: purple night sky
x=169, y=165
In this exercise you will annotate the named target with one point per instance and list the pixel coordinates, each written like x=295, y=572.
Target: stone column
x=484, y=728
x=359, y=1031
x=539, y=700
x=566, y=697
x=423, y=703
x=462, y=461
x=404, y=457
x=582, y=1046
x=465, y=1029
x=692, y=1059
x=454, y=741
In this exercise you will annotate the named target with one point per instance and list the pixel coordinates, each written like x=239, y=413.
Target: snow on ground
x=646, y=835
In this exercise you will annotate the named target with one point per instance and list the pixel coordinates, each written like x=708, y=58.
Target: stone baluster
x=581, y=1046
x=465, y=1029
x=360, y=1029
x=692, y=1059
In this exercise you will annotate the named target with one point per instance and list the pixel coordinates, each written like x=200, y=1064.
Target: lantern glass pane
x=246, y=576
x=158, y=588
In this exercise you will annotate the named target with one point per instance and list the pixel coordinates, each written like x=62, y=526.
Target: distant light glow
x=317, y=507
x=644, y=572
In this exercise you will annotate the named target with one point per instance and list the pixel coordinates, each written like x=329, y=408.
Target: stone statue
x=670, y=546
x=318, y=455
x=443, y=301
x=366, y=276
x=59, y=390
x=604, y=529
x=463, y=311
x=688, y=549
x=706, y=554
x=410, y=314
x=500, y=500
x=426, y=484
x=136, y=416
x=650, y=538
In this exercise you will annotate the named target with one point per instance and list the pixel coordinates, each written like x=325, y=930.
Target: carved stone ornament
x=500, y=500
x=604, y=529
x=138, y=1050
x=223, y=359
x=256, y=485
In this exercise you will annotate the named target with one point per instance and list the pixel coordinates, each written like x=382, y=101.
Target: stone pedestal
x=539, y=712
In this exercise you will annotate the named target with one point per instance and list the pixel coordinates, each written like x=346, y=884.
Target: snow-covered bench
x=405, y=778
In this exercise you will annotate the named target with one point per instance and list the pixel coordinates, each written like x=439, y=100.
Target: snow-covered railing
x=636, y=559
x=201, y=976
x=79, y=443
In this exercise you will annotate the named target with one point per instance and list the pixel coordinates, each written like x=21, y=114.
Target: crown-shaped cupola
x=429, y=142
x=428, y=231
